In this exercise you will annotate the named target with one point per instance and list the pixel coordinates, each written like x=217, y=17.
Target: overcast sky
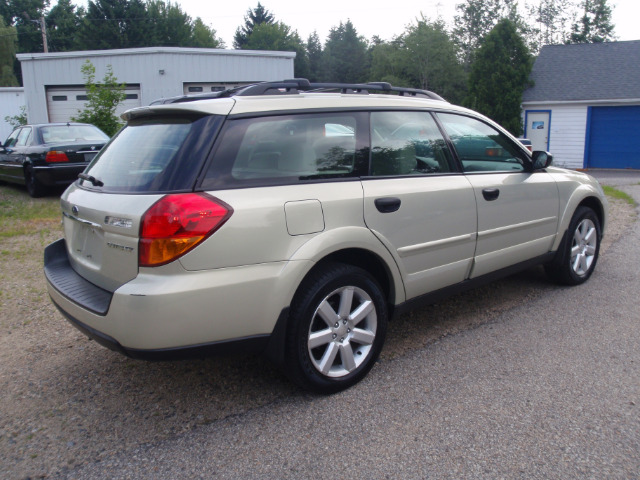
x=386, y=20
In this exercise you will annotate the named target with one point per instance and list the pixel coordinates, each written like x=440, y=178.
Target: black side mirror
x=541, y=159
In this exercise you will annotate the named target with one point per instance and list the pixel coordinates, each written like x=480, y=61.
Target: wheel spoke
x=363, y=337
x=317, y=339
x=346, y=355
x=577, y=236
x=577, y=262
x=346, y=298
x=590, y=250
x=360, y=313
x=327, y=359
x=327, y=313
x=589, y=237
x=584, y=264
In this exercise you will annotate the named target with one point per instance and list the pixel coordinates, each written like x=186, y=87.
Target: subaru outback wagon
x=296, y=219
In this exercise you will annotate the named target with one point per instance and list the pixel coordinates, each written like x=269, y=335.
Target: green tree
x=115, y=24
x=279, y=37
x=431, y=59
x=204, y=36
x=254, y=17
x=63, y=21
x=344, y=58
x=8, y=39
x=314, y=55
x=594, y=25
x=475, y=20
x=102, y=99
x=169, y=25
x=499, y=76
x=16, y=120
x=425, y=57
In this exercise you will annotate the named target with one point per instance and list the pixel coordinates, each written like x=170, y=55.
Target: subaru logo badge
x=75, y=210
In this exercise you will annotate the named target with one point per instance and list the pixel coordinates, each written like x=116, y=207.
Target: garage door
x=612, y=137
x=65, y=102
x=197, y=88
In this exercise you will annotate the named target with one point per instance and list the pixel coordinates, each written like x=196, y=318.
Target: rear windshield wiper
x=90, y=178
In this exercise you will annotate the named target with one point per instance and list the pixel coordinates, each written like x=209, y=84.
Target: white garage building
x=54, y=85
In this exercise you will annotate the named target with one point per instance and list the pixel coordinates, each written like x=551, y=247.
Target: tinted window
x=285, y=149
x=407, y=143
x=72, y=133
x=12, y=139
x=23, y=137
x=155, y=154
x=480, y=147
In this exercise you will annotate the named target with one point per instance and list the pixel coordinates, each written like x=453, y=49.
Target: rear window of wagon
x=155, y=154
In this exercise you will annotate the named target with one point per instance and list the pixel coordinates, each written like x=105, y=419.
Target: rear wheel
x=337, y=328
x=576, y=263
x=34, y=187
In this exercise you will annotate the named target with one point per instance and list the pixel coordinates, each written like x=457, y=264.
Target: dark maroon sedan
x=48, y=155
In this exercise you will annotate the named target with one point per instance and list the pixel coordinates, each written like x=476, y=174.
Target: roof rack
x=296, y=85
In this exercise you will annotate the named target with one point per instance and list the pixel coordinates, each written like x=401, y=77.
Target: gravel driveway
x=482, y=385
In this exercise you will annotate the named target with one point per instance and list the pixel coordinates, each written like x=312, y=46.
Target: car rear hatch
x=157, y=153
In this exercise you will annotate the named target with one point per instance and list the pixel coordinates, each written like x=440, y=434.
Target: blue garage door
x=613, y=137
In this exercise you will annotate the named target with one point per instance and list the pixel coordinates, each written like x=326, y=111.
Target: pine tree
x=257, y=16
x=500, y=75
x=344, y=58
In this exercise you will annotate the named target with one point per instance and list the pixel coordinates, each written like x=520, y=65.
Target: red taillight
x=55, y=156
x=177, y=223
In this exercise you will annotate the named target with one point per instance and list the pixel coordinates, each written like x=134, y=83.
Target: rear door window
x=407, y=143
x=156, y=154
x=289, y=149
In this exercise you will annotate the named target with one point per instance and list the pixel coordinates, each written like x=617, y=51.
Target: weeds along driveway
x=66, y=401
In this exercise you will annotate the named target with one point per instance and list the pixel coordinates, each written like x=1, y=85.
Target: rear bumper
x=59, y=174
x=168, y=312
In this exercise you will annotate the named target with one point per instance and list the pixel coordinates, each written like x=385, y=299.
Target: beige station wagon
x=297, y=219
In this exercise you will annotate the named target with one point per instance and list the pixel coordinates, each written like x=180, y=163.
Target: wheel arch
x=582, y=197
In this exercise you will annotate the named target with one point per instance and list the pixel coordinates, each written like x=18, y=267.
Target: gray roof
x=587, y=71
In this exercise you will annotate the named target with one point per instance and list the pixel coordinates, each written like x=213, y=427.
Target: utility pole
x=43, y=28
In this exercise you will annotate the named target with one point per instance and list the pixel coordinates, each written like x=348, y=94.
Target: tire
x=34, y=187
x=577, y=260
x=337, y=327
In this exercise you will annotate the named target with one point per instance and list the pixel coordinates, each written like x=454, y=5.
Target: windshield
x=72, y=133
x=154, y=155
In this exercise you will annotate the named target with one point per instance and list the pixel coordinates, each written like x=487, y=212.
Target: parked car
x=296, y=219
x=48, y=155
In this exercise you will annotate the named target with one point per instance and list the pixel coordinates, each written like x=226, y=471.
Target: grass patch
x=619, y=194
x=23, y=215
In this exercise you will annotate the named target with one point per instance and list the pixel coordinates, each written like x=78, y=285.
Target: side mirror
x=541, y=159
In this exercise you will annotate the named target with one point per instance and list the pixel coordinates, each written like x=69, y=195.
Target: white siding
x=11, y=99
x=160, y=72
x=567, y=132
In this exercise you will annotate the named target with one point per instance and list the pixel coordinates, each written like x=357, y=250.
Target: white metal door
x=537, y=130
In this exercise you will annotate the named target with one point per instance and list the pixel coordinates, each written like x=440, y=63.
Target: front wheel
x=337, y=327
x=575, y=264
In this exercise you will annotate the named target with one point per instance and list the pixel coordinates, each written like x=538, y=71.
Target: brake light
x=177, y=223
x=55, y=156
